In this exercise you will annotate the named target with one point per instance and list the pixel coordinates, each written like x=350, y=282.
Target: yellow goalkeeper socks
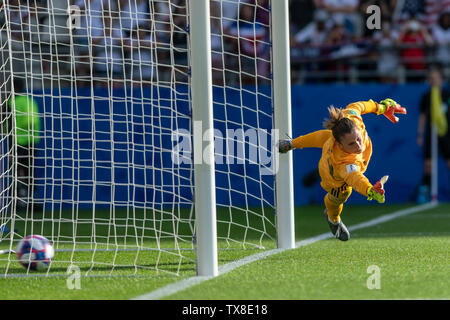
x=334, y=208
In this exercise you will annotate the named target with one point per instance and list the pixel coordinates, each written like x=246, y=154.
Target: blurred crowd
x=98, y=42
x=113, y=42
x=369, y=40
x=142, y=41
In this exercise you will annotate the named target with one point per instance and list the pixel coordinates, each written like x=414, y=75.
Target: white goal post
x=204, y=173
x=139, y=136
x=283, y=122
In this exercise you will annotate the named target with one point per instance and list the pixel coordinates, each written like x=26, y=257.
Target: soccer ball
x=35, y=252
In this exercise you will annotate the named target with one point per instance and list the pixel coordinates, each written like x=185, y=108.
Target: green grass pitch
x=411, y=254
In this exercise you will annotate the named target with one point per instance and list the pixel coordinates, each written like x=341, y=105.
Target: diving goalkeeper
x=346, y=152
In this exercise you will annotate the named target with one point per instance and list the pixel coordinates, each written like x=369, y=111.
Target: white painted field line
x=192, y=281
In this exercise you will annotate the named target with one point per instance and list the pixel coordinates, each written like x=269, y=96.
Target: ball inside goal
x=35, y=252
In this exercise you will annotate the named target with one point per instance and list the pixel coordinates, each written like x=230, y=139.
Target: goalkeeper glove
x=284, y=145
x=377, y=190
x=389, y=108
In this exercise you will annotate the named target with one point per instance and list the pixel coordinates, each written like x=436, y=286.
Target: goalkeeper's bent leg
x=334, y=202
x=334, y=208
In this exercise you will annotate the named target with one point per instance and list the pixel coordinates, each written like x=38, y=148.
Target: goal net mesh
x=97, y=132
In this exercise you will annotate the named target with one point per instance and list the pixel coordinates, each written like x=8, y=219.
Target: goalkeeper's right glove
x=389, y=108
x=376, y=192
x=284, y=145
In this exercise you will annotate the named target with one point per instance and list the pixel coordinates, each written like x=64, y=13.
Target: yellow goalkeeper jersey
x=339, y=169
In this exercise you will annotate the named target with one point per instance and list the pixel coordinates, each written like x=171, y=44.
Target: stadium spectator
x=160, y=14
x=217, y=45
x=301, y=13
x=179, y=37
x=91, y=21
x=19, y=25
x=337, y=42
x=338, y=34
x=28, y=127
x=441, y=34
x=141, y=62
x=433, y=106
x=414, y=39
x=19, y=15
x=343, y=10
x=108, y=60
x=316, y=32
x=387, y=61
x=169, y=26
x=249, y=38
x=132, y=14
x=434, y=9
x=409, y=9
x=229, y=10
x=262, y=11
x=88, y=35
x=306, y=44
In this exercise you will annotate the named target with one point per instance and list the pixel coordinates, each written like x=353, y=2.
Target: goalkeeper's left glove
x=284, y=145
x=389, y=108
x=377, y=190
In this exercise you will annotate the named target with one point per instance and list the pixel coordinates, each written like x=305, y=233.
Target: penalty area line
x=184, y=284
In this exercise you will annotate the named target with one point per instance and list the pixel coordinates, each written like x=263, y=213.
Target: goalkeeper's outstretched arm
x=361, y=184
x=386, y=107
x=377, y=190
x=315, y=139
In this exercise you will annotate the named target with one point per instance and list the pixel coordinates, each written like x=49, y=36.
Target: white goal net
x=97, y=131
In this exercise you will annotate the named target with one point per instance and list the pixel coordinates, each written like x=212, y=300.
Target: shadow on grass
x=93, y=270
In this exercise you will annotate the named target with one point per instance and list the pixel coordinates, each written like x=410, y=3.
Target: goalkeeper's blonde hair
x=338, y=123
